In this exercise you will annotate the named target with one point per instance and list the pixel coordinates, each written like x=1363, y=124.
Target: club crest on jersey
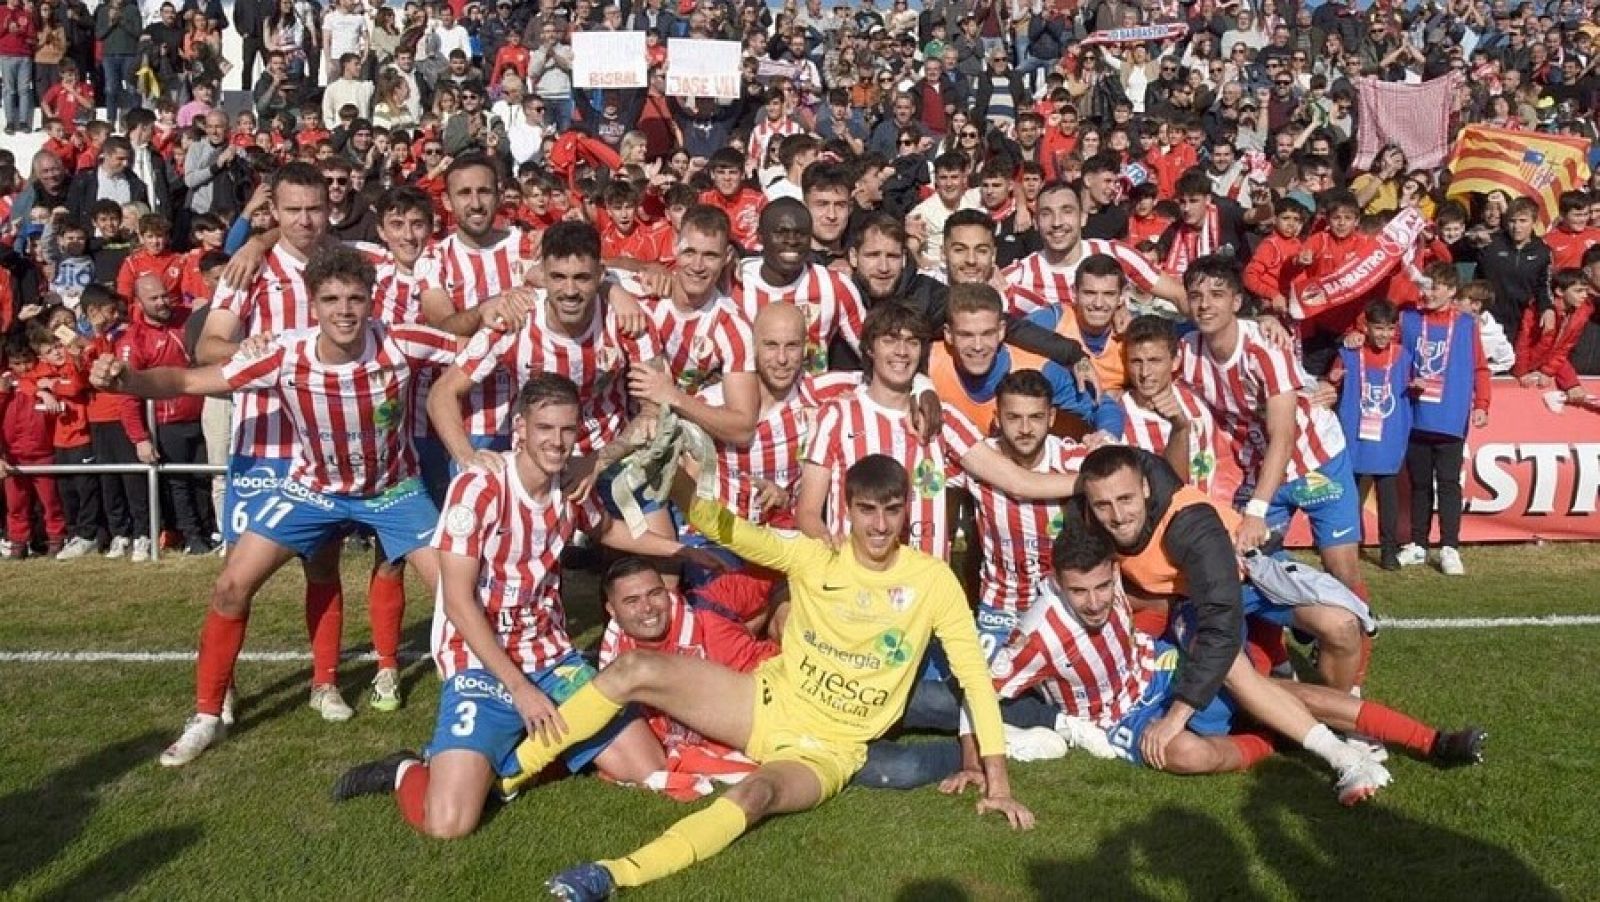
x=606, y=359
x=901, y=597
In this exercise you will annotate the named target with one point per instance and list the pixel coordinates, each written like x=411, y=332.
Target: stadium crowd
x=931, y=274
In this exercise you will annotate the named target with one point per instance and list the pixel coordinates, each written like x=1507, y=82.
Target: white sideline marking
x=290, y=657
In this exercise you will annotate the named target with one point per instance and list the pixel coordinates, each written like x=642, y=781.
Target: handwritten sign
x=608, y=59
x=697, y=68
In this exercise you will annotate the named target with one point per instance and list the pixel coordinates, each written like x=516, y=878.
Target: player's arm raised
x=158, y=383
x=733, y=421
x=992, y=467
x=503, y=312
x=219, y=337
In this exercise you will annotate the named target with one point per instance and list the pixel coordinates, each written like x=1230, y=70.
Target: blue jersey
x=1445, y=354
x=1376, y=396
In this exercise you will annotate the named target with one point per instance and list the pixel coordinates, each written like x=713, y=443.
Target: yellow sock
x=586, y=713
x=694, y=838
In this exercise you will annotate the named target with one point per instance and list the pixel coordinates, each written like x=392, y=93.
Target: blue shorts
x=302, y=520
x=1214, y=719
x=1330, y=500
x=437, y=466
x=250, y=479
x=994, y=629
x=476, y=714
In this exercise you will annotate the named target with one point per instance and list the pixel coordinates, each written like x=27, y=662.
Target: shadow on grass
x=1301, y=836
x=126, y=867
x=38, y=824
x=932, y=891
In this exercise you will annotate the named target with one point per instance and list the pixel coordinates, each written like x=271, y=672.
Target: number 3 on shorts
x=466, y=717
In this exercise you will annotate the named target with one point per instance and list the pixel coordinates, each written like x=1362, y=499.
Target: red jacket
x=17, y=34
x=104, y=406
x=71, y=388
x=1550, y=352
x=1272, y=268
x=27, y=434
x=167, y=267
x=147, y=345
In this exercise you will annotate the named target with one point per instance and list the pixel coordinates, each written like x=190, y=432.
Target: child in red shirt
x=1276, y=260
x=70, y=100
x=731, y=195
x=512, y=57
x=153, y=258
x=1544, y=357
x=27, y=437
x=627, y=242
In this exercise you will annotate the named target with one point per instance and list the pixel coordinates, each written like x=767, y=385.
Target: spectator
x=111, y=180
x=349, y=88
x=28, y=409
x=207, y=169
x=19, y=38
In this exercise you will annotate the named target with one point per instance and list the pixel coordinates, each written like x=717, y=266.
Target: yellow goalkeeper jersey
x=855, y=638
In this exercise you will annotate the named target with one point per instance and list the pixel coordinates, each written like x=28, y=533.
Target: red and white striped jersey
x=853, y=426
x=774, y=453
x=700, y=345
x=1095, y=675
x=1054, y=284
x=1015, y=535
x=276, y=302
x=517, y=539
x=1237, y=390
x=470, y=276
x=829, y=300
x=1144, y=428
x=596, y=361
x=397, y=296
x=764, y=133
x=351, y=420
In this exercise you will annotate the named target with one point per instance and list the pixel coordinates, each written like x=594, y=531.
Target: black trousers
x=252, y=48
x=125, y=495
x=1433, y=463
x=1388, y=491
x=80, y=495
x=186, y=498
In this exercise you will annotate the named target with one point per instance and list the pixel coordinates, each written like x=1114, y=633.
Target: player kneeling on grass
x=499, y=630
x=345, y=386
x=1078, y=644
x=807, y=714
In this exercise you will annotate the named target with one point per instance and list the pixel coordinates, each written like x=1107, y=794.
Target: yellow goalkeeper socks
x=586, y=713
x=694, y=838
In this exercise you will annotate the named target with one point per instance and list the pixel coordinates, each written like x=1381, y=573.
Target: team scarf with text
x=1360, y=277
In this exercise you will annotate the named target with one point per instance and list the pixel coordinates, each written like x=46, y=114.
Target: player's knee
x=754, y=796
x=449, y=821
x=633, y=671
x=229, y=595
x=1339, y=631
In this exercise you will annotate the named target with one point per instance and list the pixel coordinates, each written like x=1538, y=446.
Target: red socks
x=1253, y=749
x=386, y=607
x=221, y=638
x=412, y=793
x=325, y=625
x=1390, y=726
x=1268, y=637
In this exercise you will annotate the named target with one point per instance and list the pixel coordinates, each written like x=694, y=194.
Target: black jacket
x=85, y=190
x=1199, y=544
x=1520, y=276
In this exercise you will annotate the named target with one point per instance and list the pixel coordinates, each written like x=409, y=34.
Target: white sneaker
x=119, y=548
x=1080, y=733
x=230, y=701
x=1361, y=781
x=1033, y=744
x=385, y=690
x=1450, y=562
x=1556, y=401
x=76, y=547
x=201, y=732
x=141, y=550
x=327, y=701
x=1412, y=555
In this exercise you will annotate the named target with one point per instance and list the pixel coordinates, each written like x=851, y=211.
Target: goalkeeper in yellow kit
x=860, y=619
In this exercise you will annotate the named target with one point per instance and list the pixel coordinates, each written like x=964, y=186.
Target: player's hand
x=1088, y=381
x=49, y=404
x=962, y=780
x=486, y=460
x=146, y=453
x=1323, y=394
x=653, y=384
x=106, y=372
x=702, y=558
x=508, y=310
x=579, y=478
x=539, y=714
x=656, y=280
x=1480, y=418
x=1167, y=407
x=29, y=311
x=1252, y=532
x=625, y=307
x=6, y=469
x=1353, y=340
x=1305, y=257
x=256, y=345
x=1153, y=744
x=768, y=494
x=242, y=268
x=1017, y=814
x=1274, y=334
x=927, y=415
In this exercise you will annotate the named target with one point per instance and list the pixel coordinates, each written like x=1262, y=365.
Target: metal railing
x=153, y=473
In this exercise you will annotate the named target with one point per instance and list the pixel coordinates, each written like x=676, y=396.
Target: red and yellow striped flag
x=1522, y=164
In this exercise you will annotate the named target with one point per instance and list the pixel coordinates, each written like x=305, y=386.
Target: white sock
x=1321, y=741
x=207, y=718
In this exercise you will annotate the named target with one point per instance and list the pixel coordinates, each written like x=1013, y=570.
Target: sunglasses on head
x=337, y=179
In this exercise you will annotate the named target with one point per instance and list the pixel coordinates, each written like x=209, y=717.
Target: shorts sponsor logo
x=481, y=687
x=253, y=482
x=298, y=492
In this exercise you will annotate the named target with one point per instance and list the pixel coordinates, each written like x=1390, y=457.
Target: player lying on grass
x=1079, y=646
x=860, y=621
x=1175, y=544
x=345, y=386
x=499, y=629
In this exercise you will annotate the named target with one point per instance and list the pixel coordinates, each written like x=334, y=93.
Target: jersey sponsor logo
x=856, y=659
x=252, y=482
x=834, y=690
x=929, y=478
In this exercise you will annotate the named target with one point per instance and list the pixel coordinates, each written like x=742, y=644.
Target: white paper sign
x=697, y=68
x=608, y=59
